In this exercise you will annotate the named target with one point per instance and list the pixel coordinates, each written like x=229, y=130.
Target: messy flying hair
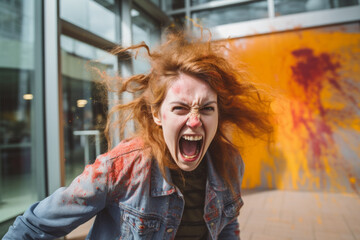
x=240, y=105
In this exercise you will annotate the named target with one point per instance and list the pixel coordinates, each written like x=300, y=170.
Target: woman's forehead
x=189, y=89
x=186, y=84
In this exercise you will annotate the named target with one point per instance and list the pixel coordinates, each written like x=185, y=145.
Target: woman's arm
x=66, y=208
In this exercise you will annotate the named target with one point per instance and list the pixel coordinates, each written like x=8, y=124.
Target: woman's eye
x=208, y=109
x=180, y=110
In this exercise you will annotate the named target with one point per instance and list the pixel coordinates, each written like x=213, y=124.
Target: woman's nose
x=194, y=121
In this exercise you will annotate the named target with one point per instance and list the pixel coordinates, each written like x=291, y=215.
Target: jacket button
x=212, y=224
x=170, y=230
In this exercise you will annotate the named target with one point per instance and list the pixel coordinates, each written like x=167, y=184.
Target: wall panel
x=314, y=78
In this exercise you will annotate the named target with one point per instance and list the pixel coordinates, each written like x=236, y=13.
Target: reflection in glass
x=19, y=70
x=231, y=14
x=197, y=2
x=97, y=17
x=156, y=2
x=144, y=28
x=173, y=4
x=85, y=104
x=178, y=20
x=284, y=7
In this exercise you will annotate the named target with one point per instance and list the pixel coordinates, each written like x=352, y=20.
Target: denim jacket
x=131, y=199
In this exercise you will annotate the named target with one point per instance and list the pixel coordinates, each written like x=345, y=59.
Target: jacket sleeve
x=66, y=208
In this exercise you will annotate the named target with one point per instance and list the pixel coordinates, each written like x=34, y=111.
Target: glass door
x=85, y=103
x=22, y=175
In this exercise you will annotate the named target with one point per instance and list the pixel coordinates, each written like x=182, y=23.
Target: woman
x=179, y=177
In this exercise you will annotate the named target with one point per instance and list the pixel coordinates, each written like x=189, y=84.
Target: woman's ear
x=156, y=118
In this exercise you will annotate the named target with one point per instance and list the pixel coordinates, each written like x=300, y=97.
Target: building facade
x=52, y=112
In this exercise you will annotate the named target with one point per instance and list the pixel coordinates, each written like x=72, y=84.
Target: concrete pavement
x=290, y=215
x=295, y=215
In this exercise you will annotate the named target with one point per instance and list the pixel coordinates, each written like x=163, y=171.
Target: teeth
x=192, y=138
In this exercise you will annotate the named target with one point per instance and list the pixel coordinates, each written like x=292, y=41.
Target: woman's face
x=189, y=120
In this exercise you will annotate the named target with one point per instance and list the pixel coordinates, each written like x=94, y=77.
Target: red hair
x=241, y=107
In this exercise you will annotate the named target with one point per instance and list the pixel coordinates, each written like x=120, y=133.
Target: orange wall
x=314, y=76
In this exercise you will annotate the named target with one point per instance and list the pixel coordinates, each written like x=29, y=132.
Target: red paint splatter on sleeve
x=96, y=170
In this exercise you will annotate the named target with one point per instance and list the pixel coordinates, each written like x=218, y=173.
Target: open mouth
x=190, y=147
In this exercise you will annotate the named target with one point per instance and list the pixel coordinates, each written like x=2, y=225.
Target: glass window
x=231, y=14
x=85, y=104
x=156, y=2
x=198, y=2
x=22, y=179
x=179, y=20
x=173, y=4
x=284, y=7
x=144, y=28
x=98, y=17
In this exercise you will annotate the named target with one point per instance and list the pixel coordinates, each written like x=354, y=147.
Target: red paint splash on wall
x=312, y=72
x=315, y=77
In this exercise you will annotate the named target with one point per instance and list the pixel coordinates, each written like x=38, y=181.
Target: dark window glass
x=285, y=7
x=85, y=104
x=197, y=2
x=96, y=16
x=231, y=14
x=173, y=4
x=178, y=21
x=144, y=28
x=22, y=179
x=156, y=2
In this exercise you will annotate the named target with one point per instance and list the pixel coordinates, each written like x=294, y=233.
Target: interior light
x=134, y=13
x=28, y=96
x=81, y=103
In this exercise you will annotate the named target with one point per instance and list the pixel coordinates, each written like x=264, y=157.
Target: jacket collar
x=214, y=180
x=160, y=187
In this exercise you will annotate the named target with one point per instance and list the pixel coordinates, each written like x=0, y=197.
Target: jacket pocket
x=142, y=225
x=232, y=209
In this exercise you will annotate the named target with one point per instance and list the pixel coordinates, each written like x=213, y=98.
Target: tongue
x=188, y=147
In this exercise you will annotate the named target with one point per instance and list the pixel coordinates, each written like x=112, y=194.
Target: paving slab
x=290, y=215
x=295, y=215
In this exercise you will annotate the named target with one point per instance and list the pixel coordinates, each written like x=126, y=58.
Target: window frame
x=272, y=23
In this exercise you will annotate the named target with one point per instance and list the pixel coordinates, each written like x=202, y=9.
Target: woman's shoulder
x=129, y=158
x=125, y=147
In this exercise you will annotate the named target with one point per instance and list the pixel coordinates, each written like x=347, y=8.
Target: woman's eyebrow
x=185, y=104
x=209, y=103
x=179, y=102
